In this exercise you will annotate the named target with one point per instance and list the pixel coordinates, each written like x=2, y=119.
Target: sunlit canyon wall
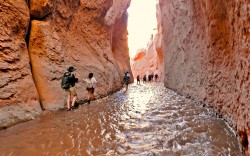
x=206, y=53
x=40, y=39
x=149, y=60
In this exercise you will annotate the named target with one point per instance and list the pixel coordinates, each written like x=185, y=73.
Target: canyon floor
x=148, y=119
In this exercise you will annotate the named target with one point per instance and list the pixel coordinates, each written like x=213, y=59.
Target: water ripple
x=147, y=120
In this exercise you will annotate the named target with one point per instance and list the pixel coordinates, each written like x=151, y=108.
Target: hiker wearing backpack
x=126, y=80
x=90, y=81
x=68, y=84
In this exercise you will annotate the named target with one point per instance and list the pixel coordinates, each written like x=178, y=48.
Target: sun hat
x=71, y=69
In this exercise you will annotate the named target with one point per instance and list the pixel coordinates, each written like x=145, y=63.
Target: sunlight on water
x=148, y=119
x=139, y=101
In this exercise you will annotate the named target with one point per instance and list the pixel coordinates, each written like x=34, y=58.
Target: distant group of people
x=150, y=78
x=68, y=84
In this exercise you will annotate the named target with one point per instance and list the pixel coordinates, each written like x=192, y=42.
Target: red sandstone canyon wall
x=149, y=60
x=139, y=63
x=158, y=44
x=58, y=34
x=79, y=33
x=206, y=53
x=18, y=95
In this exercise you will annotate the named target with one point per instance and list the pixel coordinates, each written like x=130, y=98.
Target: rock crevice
x=19, y=98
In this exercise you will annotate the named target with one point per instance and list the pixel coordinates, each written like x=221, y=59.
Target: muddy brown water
x=147, y=120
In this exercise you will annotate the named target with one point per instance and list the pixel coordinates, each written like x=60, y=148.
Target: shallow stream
x=147, y=120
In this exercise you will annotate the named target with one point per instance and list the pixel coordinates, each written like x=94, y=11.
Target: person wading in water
x=68, y=84
x=126, y=80
x=90, y=86
x=138, y=79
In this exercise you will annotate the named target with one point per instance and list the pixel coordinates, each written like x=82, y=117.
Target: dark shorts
x=90, y=89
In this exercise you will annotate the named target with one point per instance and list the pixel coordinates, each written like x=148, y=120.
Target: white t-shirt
x=90, y=82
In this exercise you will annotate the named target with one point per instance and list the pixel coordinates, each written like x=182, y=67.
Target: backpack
x=65, y=82
x=126, y=78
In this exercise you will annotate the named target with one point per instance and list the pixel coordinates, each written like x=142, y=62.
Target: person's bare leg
x=92, y=96
x=74, y=100
x=89, y=95
x=68, y=102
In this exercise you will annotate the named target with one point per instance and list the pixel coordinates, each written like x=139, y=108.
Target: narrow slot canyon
x=198, y=106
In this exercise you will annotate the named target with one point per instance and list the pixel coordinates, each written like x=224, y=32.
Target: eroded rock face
x=206, y=53
x=46, y=54
x=150, y=60
x=116, y=11
x=120, y=44
x=158, y=43
x=139, y=63
x=40, y=8
x=79, y=33
x=19, y=100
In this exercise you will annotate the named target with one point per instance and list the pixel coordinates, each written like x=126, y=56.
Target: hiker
x=152, y=77
x=68, y=83
x=126, y=80
x=149, y=78
x=156, y=77
x=90, y=81
x=138, y=79
x=144, y=79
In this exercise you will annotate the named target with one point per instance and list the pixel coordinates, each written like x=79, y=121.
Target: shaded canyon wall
x=206, y=53
x=40, y=40
x=19, y=99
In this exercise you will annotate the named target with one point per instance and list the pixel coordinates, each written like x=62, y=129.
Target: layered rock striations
x=19, y=99
x=206, y=53
x=77, y=33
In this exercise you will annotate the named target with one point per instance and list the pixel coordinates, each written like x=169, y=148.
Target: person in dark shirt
x=126, y=80
x=71, y=90
x=138, y=79
x=144, y=79
x=156, y=77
